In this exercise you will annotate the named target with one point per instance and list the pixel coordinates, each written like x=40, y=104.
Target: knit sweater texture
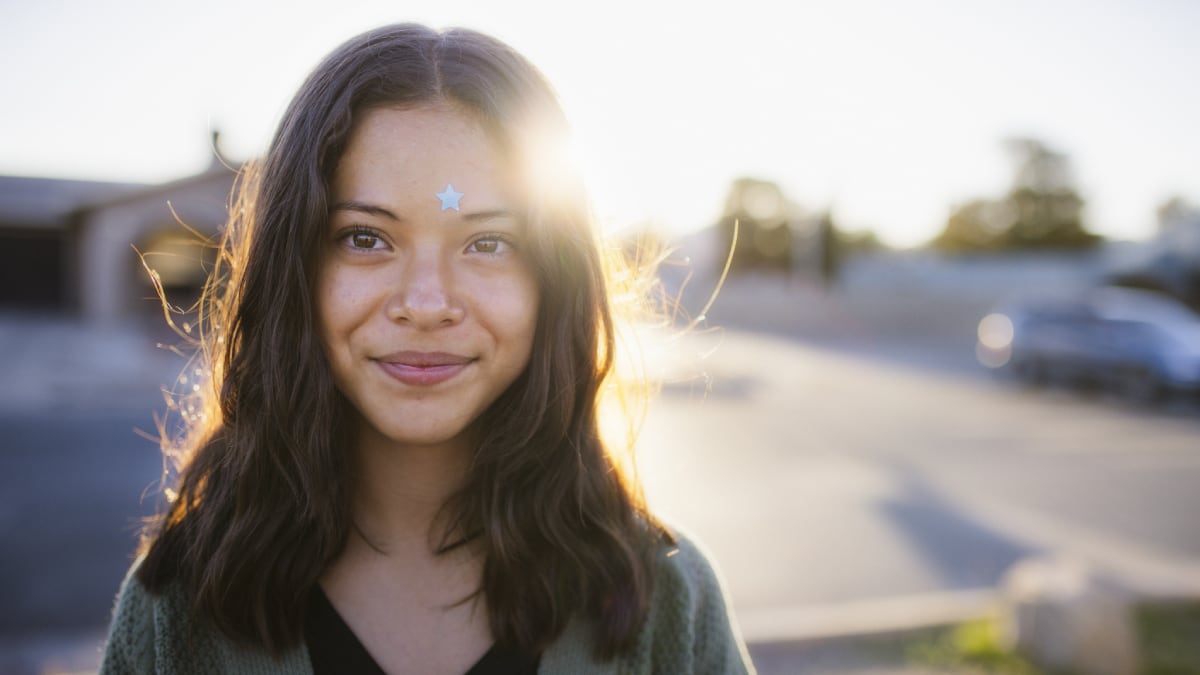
x=689, y=629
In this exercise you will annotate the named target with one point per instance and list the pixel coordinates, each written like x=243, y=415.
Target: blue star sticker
x=449, y=198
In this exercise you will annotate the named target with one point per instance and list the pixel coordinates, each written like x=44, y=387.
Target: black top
x=334, y=649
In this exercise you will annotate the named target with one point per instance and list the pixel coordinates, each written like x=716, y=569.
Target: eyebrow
x=488, y=215
x=363, y=207
x=375, y=210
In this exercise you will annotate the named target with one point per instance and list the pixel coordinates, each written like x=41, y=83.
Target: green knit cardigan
x=689, y=629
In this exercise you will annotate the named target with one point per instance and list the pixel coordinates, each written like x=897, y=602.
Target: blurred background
x=949, y=384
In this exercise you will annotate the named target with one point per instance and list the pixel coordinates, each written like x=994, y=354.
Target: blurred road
x=73, y=487
x=819, y=478
x=828, y=449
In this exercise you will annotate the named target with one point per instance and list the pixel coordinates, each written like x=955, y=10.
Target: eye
x=491, y=244
x=363, y=239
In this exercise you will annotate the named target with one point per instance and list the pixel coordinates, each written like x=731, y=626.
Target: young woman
x=397, y=465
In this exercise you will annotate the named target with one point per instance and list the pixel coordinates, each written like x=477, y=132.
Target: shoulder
x=685, y=573
x=143, y=634
x=689, y=627
x=690, y=623
x=130, y=645
x=158, y=632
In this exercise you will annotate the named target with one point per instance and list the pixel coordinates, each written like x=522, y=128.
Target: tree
x=1042, y=208
x=978, y=225
x=1047, y=210
x=763, y=217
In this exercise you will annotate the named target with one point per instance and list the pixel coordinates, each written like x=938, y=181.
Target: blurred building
x=76, y=247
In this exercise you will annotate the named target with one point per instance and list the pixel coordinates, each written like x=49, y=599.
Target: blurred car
x=1141, y=343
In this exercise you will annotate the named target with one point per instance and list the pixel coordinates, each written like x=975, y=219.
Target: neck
x=401, y=489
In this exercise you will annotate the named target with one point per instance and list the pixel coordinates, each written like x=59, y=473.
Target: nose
x=425, y=298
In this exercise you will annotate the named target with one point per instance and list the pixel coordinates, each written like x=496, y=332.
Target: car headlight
x=995, y=340
x=996, y=331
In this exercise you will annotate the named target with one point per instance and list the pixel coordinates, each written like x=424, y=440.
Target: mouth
x=423, y=368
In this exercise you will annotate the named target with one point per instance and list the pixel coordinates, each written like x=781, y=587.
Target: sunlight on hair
x=626, y=393
x=193, y=412
x=655, y=345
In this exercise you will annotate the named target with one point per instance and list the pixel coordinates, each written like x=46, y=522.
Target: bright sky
x=889, y=112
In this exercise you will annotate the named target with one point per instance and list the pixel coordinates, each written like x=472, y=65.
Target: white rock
x=1062, y=614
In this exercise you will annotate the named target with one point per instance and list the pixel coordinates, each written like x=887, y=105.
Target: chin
x=422, y=437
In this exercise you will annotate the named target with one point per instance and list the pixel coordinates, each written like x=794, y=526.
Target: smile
x=423, y=369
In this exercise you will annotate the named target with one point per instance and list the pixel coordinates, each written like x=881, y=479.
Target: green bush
x=1169, y=637
x=974, y=647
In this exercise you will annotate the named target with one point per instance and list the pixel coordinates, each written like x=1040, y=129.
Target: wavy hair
x=263, y=498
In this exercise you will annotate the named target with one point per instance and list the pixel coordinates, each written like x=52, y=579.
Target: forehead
x=406, y=156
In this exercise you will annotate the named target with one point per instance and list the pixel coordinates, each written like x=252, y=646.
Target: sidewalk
x=57, y=363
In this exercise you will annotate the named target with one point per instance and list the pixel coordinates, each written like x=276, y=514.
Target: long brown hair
x=263, y=503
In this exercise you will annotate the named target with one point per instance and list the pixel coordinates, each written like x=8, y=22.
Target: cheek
x=341, y=299
x=524, y=319
x=511, y=312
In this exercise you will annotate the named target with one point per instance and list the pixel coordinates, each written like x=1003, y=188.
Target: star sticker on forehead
x=449, y=198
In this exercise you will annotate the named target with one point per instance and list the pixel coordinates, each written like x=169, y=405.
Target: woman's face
x=426, y=300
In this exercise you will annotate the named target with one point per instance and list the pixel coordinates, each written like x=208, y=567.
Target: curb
x=866, y=618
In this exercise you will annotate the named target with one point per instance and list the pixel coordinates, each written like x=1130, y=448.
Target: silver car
x=1141, y=343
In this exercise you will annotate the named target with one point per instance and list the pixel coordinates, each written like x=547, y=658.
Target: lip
x=423, y=369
